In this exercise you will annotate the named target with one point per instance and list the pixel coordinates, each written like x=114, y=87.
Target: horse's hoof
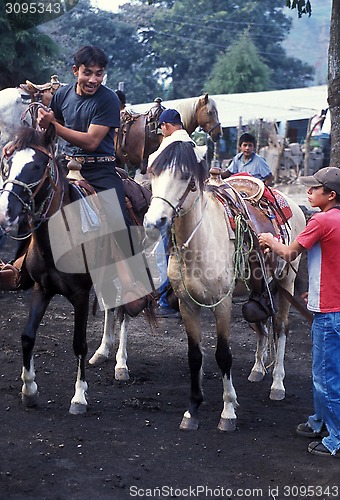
x=98, y=359
x=256, y=376
x=77, y=409
x=29, y=401
x=227, y=424
x=122, y=374
x=277, y=394
x=189, y=424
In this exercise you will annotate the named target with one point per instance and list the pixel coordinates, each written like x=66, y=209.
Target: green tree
x=188, y=37
x=240, y=69
x=129, y=60
x=26, y=52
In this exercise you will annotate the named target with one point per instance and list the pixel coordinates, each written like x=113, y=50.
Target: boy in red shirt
x=321, y=239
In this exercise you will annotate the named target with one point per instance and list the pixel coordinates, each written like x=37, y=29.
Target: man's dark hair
x=90, y=56
x=246, y=137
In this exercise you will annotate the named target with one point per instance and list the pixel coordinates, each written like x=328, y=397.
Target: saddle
x=144, y=124
x=245, y=196
x=33, y=90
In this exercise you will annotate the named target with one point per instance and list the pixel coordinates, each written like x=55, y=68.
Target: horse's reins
x=176, y=209
x=29, y=188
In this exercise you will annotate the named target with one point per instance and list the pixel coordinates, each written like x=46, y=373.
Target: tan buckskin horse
x=139, y=134
x=202, y=273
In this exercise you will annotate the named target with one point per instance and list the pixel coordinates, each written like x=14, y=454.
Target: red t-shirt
x=322, y=240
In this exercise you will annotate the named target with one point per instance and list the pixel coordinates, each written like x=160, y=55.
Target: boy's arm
x=287, y=252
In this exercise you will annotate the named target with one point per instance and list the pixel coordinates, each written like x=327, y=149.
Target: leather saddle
x=33, y=88
x=142, y=125
x=243, y=196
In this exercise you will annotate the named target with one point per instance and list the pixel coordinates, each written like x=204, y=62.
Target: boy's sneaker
x=305, y=430
x=317, y=448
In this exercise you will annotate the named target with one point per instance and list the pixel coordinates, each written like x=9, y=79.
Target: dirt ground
x=129, y=444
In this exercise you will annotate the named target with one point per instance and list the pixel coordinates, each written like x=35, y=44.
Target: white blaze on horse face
x=167, y=190
x=17, y=164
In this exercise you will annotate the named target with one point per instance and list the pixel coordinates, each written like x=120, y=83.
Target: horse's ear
x=50, y=135
x=206, y=99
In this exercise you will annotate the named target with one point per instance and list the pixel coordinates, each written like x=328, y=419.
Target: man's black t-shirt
x=77, y=113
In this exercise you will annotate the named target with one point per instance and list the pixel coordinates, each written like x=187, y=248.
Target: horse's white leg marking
x=29, y=391
x=259, y=369
x=277, y=390
x=104, y=350
x=121, y=369
x=228, y=415
x=78, y=402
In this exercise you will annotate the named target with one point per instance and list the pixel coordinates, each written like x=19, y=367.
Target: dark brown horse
x=139, y=134
x=36, y=185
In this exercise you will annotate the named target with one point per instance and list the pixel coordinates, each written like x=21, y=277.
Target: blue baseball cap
x=170, y=116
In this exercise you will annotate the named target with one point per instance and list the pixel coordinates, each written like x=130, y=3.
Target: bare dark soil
x=129, y=444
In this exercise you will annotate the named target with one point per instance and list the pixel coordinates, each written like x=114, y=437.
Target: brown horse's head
x=207, y=117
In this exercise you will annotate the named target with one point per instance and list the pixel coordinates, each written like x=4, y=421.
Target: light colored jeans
x=326, y=377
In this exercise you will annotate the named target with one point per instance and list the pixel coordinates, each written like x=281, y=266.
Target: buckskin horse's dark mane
x=180, y=157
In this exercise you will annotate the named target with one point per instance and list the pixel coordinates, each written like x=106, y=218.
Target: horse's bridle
x=218, y=124
x=51, y=174
x=176, y=209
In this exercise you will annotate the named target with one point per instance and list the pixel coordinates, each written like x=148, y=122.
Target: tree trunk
x=334, y=83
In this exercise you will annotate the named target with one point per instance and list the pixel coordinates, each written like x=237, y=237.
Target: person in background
x=122, y=99
x=321, y=238
x=170, y=122
x=249, y=162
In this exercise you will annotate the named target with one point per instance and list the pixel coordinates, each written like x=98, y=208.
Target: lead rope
x=241, y=269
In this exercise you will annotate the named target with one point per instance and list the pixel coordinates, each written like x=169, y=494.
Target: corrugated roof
x=275, y=105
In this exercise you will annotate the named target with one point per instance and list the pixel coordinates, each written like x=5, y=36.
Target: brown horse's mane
x=28, y=137
x=180, y=157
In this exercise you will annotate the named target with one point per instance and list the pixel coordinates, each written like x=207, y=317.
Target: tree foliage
x=129, y=60
x=186, y=41
x=25, y=53
x=189, y=37
x=302, y=6
x=238, y=70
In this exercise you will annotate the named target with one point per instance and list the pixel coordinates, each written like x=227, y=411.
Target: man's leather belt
x=91, y=159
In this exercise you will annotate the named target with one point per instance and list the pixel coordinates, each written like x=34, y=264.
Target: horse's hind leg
x=277, y=390
x=223, y=357
x=78, y=402
x=258, y=371
x=192, y=325
x=121, y=369
x=103, y=352
x=29, y=391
